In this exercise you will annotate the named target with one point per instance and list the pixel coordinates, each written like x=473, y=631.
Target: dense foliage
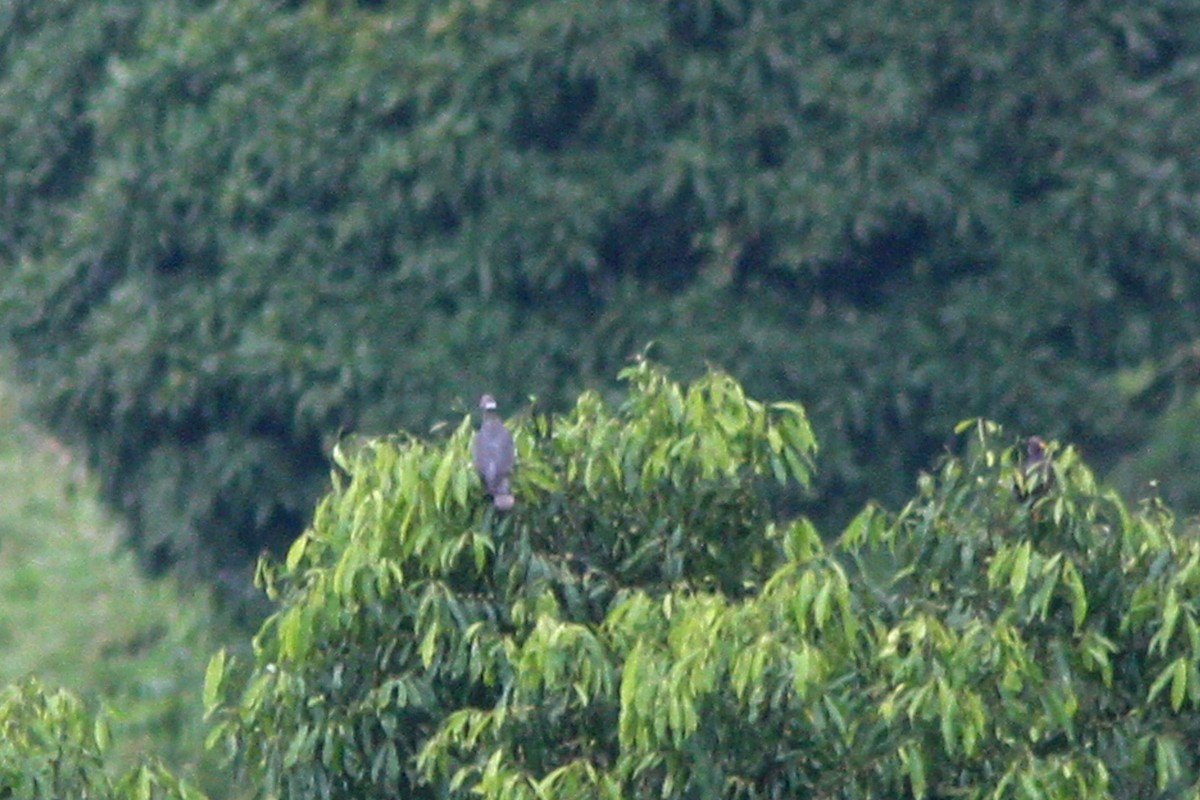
x=233, y=228
x=641, y=625
x=52, y=747
x=401, y=598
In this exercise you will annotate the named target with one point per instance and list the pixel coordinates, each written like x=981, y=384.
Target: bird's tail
x=502, y=496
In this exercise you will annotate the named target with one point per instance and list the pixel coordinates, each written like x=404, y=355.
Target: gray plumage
x=494, y=455
x=1037, y=473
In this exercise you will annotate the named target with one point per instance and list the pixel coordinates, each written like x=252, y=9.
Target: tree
x=641, y=624
x=399, y=611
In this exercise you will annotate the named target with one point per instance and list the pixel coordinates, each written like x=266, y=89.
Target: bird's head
x=1035, y=448
x=487, y=403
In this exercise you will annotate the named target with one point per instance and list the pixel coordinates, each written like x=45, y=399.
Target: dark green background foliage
x=639, y=626
x=233, y=229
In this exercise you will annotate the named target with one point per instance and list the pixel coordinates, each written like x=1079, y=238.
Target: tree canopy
x=643, y=624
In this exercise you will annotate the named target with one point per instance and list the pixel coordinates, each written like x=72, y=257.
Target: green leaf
x=296, y=551
x=965, y=424
x=855, y=535
x=822, y=603
x=1019, y=576
x=1179, y=679
x=1167, y=763
x=1079, y=600
x=1170, y=616
x=101, y=734
x=216, y=733
x=914, y=766
x=441, y=479
x=299, y=747
x=1174, y=673
x=947, y=713
x=214, y=675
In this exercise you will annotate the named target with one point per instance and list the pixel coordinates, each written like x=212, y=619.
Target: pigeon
x=494, y=455
x=1037, y=475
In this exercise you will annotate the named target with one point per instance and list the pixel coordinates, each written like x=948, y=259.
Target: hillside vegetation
x=233, y=229
x=76, y=612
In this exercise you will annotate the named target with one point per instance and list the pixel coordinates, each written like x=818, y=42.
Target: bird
x=1036, y=476
x=494, y=455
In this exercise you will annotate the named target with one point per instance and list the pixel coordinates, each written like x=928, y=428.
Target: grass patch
x=76, y=612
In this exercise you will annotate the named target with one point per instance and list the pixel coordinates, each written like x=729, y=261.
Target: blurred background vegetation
x=77, y=611
x=236, y=229
x=232, y=230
